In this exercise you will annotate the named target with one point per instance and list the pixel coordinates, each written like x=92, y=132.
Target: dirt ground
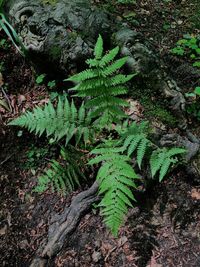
x=163, y=230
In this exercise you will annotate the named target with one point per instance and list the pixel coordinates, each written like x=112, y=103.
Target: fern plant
x=161, y=160
x=135, y=139
x=116, y=177
x=63, y=121
x=63, y=177
x=102, y=85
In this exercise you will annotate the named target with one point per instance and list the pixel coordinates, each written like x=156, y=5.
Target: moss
x=49, y=2
x=158, y=111
x=55, y=52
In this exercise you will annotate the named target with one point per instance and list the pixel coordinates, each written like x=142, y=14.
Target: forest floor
x=163, y=230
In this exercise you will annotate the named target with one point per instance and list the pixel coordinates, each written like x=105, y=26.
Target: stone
x=58, y=37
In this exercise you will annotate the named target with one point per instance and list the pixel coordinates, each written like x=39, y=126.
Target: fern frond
x=116, y=177
x=133, y=138
x=64, y=177
x=118, y=90
x=84, y=75
x=101, y=84
x=156, y=160
x=141, y=150
x=161, y=160
x=107, y=58
x=63, y=121
x=114, y=67
x=98, y=50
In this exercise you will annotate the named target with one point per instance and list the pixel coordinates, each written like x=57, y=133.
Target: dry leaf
x=195, y=193
x=1, y=79
x=3, y=230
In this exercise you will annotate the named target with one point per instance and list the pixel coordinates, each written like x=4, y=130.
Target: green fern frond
x=116, y=177
x=114, y=67
x=107, y=58
x=64, y=177
x=63, y=121
x=161, y=160
x=84, y=75
x=135, y=138
x=141, y=150
x=98, y=50
x=102, y=84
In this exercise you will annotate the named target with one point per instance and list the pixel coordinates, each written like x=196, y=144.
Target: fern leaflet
x=134, y=138
x=161, y=160
x=116, y=177
x=63, y=177
x=63, y=121
x=102, y=85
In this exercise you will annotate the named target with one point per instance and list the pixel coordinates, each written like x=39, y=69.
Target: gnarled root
x=62, y=225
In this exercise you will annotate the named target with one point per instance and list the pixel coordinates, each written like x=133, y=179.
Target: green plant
x=116, y=176
x=40, y=78
x=63, y=177
x=11, y=33
x=51, y=84
x=188, y=46
x=161, y=160
x=101, y=85
x=135, y=139
x=193, y=108
x=34, y=156
x=1, y=4
x=4, y=44
x=63, y=121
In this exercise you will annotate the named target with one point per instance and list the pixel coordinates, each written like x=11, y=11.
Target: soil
x=163, y=230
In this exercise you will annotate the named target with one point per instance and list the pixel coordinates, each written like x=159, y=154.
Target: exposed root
x=62, y=225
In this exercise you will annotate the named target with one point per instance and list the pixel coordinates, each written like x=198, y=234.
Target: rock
x=140, y=58
x=60, y=37
x=179, y=141
x=64, y=33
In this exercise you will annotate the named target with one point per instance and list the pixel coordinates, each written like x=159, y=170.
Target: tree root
x=62, y=225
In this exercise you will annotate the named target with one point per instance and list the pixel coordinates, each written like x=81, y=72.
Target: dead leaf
x=3, y=230
x=4, y=104
x=135, y=110
x=21, y=99
x=153, y=263
x=195, y=193
x=1, y=79
x=122, y=241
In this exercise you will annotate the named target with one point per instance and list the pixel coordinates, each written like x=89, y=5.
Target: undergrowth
x=112, y=141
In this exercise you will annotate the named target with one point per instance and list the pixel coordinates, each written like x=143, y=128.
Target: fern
x=116, y=177
x=63, y=177
x=101, y=85
x=134, y=138
x=161, y=160
x=63, y=121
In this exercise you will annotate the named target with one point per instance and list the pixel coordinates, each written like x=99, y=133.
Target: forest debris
x=3, y=230
x=153, y=263
x=195, y=193
x=1, y=80
x=122, y=241
x=96, y=256
x=135, y=110
x=64, y=224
